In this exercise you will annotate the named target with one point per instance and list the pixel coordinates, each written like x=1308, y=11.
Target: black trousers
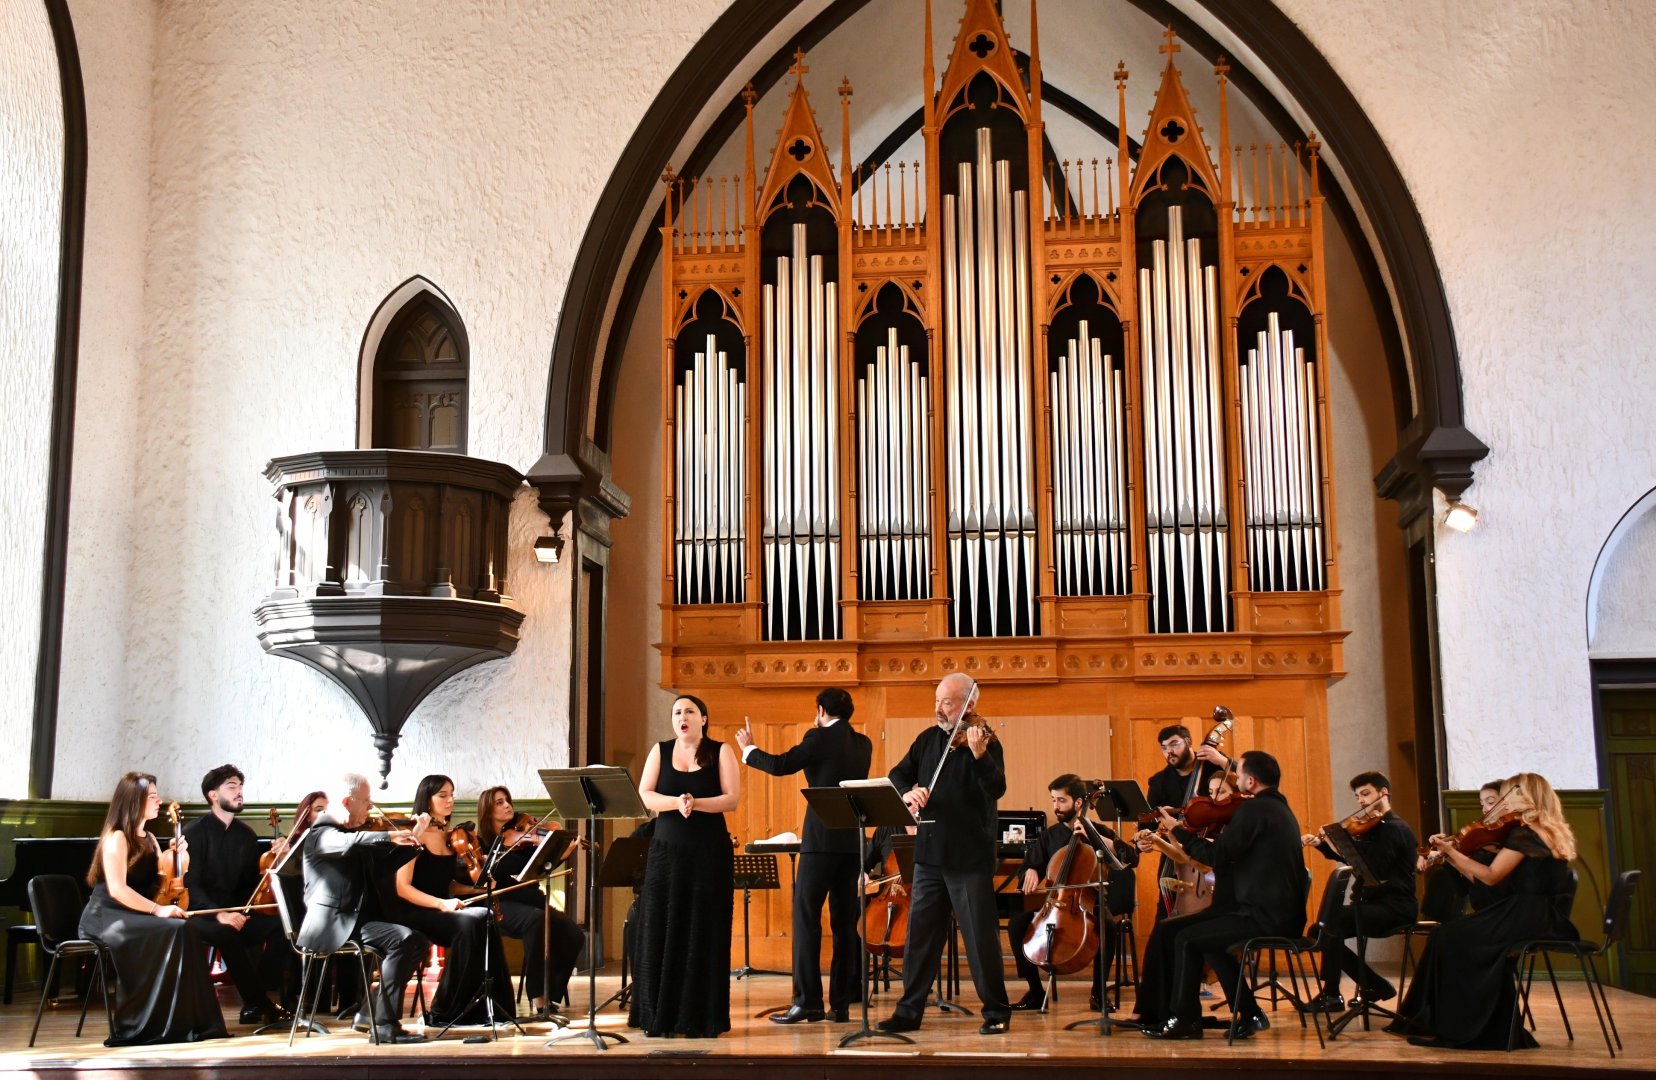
x=525, y=921
x=1381, y=917
x=1206, y=938
x=257, y=955
x=403, y=948
x=971, y=896
x=825, y=876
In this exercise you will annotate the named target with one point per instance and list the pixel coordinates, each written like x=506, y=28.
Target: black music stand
x=542, y=860
x=623, y=868
x=1124, y=799
x=1346, y=848
x=858, y=804
x=594, y=792
x=750, y=872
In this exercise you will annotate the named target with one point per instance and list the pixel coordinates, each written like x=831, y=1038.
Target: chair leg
x=299, y=1002
x=1302, y=993
x=11, y=966
x=316, y=1000
x=106, y=972
x=1592, y=966
x=1552, y=976
x=1520, y=1005
x=1250, y=963
x=1594, y=992
x=1297, y=958
x=368, y=992
x=86, y=999
x=41, y=1007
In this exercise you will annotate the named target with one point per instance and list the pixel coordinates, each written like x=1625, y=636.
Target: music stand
x=594, y=792
x=1108, y=862
x=1124, y=798
x=858, y=804
x=1346, y=848
x=750, y=872
x=491, y=941
x=547, y=855
x=623, y=868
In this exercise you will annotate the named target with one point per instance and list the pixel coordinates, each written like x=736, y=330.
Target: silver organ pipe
x=801, y=512
x=709, y=474
x=986, y=332
x=1089, y=431
x=1184, y=448
x=1281, y=442
x=893, y=521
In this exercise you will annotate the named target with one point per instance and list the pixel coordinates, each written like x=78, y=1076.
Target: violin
x=1481, y=834
x=380, y=821
x=521, y=826
x=1064, y=936
x=463, y=842
x=973, y=720
x=1363, y=821
x=171, y=890
x=885, y=918
x=266, y=893
x=1204, y=812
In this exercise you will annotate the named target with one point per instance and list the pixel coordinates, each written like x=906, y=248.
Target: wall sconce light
x=548, y=549
x=1460, y=517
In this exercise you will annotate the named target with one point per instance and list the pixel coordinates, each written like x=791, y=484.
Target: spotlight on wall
x=548, y=549
x=1460, y=517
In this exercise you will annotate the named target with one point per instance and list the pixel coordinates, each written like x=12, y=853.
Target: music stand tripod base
x=749, y=873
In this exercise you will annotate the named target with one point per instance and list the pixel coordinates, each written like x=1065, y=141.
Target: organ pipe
x=1284, y=472
x=710, y=476
x=893, y=515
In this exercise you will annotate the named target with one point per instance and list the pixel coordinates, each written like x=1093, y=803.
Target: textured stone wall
x=31, y=192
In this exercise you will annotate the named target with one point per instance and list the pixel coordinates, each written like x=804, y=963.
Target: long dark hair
x=707, y=751
x=429, y=786
x=125, y=816
x=486, y=831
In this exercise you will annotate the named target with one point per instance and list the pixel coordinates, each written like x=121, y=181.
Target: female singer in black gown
x=163, y=992
x=523, y=912
x=682, y=968
x=1463, y=994
x=423, y=902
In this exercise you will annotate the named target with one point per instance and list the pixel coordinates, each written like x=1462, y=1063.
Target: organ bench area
x=1060, y=426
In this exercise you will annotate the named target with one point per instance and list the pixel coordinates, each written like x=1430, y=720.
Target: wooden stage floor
x=756, y=1047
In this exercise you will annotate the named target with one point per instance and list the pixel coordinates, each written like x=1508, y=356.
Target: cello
x=1063, y=938
x=885, y=917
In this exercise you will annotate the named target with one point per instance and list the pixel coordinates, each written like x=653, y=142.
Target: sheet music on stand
x=547, y=854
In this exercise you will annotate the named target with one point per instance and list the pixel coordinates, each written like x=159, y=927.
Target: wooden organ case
x=1061, y=427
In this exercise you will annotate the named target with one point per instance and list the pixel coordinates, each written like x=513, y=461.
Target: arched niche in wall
x=413, y=391
x=1619, y=621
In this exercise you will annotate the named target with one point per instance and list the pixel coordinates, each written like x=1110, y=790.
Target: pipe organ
x=989, y=413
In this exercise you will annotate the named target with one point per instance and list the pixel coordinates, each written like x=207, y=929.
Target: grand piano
x=34, y=856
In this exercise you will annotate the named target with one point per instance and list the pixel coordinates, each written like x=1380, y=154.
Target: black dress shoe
x=1327, y=1003
x=397, y=1036
x=267, y=1012
x=842, y=1016
x=995, y=1027
x=797, y=1014
x=1177, y=1029
x=1095, y=1004
x=1380, y=991
x=899, y=1022
x=1248, y=1026
x=1030, y=1002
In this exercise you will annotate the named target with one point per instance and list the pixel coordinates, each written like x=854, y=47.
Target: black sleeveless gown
x=465, y=939
x=681, y=966
x=163, y=993
x=1462, y=995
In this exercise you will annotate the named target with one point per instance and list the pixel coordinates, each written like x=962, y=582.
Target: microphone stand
x=491, y=939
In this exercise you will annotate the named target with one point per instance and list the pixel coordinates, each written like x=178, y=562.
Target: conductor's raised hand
x=744, y=734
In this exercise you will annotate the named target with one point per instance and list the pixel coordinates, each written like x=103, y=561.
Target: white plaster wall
x=116, y=41
x=31, y=194
x=1524, y=132
x=1625, y=621
x=306, y=159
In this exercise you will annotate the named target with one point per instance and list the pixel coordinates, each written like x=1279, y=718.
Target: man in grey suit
x=339, y=863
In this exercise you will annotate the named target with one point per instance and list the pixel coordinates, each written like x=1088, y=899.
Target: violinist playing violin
x=1463, y=994
x=1069, y=805
x=423, y=900
x=954, y=790
x=522, y=912
x=1261, y=893
x=1387, y=844
x=224, y=873
x=831, y=751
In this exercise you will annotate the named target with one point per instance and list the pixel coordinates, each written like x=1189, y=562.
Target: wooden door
x=1629, y=718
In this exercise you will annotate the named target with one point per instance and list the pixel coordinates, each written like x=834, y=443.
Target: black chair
x=55, y=901
x=1586, y=953
x=290, y=906
x=1293, y=951
x=1444, y=901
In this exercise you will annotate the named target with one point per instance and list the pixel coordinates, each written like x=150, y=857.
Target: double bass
x=1187, y=887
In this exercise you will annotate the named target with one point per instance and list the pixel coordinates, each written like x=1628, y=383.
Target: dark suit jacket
x=827, y=755
x=338, y=864
x=1261, y=856
x=959, y=830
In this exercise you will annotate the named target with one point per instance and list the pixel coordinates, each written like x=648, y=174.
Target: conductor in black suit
x=339, y=862
x=830, y=752
x=954, y=856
